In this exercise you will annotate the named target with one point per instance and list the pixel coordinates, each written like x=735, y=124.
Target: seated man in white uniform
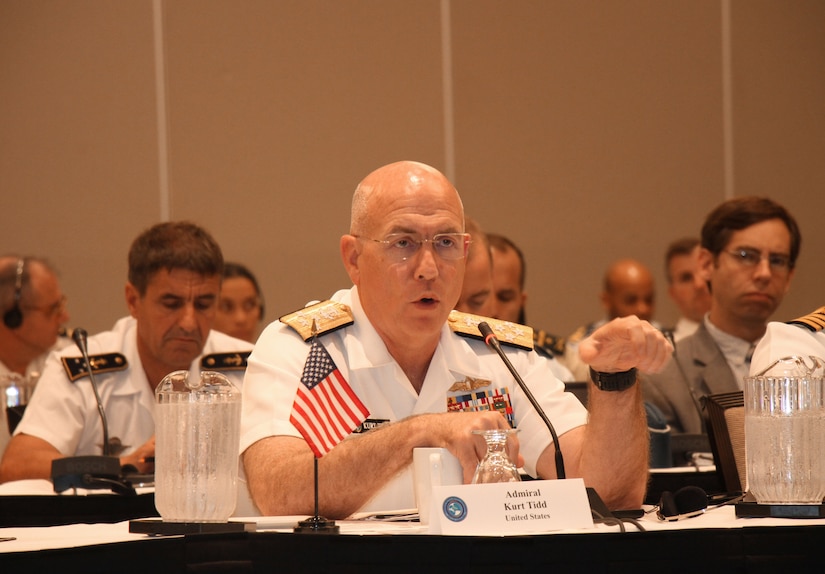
x=803, y=337
x=410, y=358
x=33, y=308
x=172, y=292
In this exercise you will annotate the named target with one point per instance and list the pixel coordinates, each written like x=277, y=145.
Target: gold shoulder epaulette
x=76, y=366
x=508, y=333
x=578, y=334
x=225, y=361
x=812, y=321
x=550, y=342
x=328, y=316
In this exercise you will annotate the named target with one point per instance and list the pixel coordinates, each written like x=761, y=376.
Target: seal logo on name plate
x=454, y=509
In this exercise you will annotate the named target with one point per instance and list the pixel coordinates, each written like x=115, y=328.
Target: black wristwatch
x=613, y=381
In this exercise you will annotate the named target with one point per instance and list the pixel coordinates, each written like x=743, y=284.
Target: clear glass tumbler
x=496, y=466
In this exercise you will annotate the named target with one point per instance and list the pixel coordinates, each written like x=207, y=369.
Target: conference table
x=714, y=541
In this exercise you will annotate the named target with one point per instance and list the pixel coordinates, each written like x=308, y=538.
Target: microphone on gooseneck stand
x=492, y=342
x=91, y=471
x=597, y=506
x=80, y=339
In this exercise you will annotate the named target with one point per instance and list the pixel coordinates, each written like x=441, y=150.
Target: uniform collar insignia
x=225, y=361
x=75, y=367
x=327, y=315
x=513, y=334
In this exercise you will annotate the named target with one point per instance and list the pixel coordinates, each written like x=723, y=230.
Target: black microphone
x=492, y=342
x=597, y=505
x=90, y=472
x=79, y=335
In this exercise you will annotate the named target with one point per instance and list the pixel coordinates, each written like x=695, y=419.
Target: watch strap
x=613, y=381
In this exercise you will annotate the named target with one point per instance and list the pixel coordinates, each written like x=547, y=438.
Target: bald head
x=42, y=306
x=407, y=284
x=399, y=181
x=628, y=290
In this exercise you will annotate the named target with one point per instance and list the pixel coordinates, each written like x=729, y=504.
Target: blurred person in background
x=477, y=289
x=33, y=308
x=510, y=298
x=685, y=285
x=241, y=306
x=627, y=290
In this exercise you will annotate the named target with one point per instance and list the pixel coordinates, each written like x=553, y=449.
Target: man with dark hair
x=748, y=255
x=477, y=289
x=479, y=297
x=509, y=274
x=510, y=298
x=172, y=293
x=686, y=287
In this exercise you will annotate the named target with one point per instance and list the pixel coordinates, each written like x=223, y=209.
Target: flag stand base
x=317, y=525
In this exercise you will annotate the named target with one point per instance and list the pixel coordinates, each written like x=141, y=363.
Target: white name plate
x=510, y=507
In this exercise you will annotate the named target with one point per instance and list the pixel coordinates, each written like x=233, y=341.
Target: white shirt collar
x=737, y=352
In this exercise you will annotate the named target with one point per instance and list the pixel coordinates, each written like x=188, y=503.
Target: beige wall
x=584, y=130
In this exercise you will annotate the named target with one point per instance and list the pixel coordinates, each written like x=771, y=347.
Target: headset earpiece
x=686, y=502
x=13, y=318
x=667, y=504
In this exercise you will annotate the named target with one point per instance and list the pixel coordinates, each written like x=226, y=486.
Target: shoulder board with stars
x=328, y=316
x=812, y=321
x=225, y=361
x=549, y=342
x=76, y=366
x=513, y=334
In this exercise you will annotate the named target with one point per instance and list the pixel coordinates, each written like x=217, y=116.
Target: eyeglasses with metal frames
x=403, y=246
x=49, y=310
x=749, y=257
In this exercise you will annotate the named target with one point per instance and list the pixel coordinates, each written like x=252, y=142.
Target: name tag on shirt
x=370, y=424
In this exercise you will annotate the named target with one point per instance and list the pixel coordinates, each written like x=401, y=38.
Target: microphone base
x=317, y=525
x=89, y=472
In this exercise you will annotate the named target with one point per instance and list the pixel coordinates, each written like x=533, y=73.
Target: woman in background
x=241, y=307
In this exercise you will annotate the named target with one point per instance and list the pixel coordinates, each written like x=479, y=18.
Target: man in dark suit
x=749, y=250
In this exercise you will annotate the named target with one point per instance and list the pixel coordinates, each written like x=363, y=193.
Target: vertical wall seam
x=727, y=100
x=447, y=91
x=164, y=200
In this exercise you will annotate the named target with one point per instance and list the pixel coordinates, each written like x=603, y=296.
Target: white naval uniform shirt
x=275, y=366
x=65, y=414
x=783, y=340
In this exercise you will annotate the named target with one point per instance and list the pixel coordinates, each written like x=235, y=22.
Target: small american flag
x=326, y=410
